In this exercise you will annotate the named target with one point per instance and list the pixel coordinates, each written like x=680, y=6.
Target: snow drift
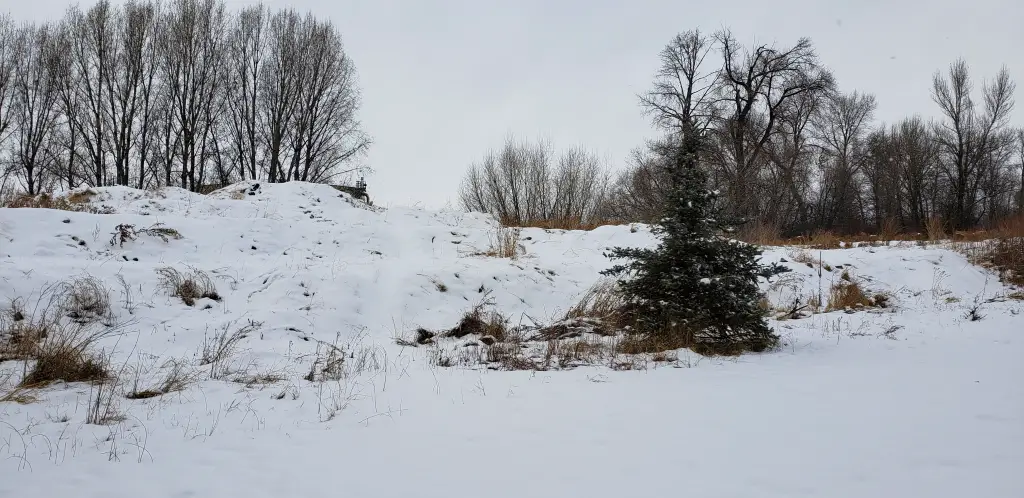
x=920, y=398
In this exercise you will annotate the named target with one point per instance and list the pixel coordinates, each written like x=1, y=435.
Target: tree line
x=182, y=93
x=792, y=153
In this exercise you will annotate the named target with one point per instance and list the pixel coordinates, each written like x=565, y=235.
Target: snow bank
x=910, y=400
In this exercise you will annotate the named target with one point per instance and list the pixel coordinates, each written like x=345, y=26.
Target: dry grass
x=481, y=320
x=602, y=301
x=935, y=228
x=1005, y=256
x=11, y=392
x=804, y=257
x=57, y=338
x=849, y=296
x=76, y=201
x=85, y=299
x=178, y=377
x=504, y=243
x=759, y=233
x=218, y=348
x=572, y=223
x=334, y=361
x=190, y=287
x=890, y=229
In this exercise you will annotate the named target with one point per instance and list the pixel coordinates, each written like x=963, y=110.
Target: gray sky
x=445, y=80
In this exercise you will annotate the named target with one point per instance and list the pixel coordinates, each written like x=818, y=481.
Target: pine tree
x=697, y=288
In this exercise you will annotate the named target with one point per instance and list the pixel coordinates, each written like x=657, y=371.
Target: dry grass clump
x=602, y=301
x=481, y=321
x=57, y=338
x=178, y=377
x=803, y=257
x=849, y=296
x=504, y=243
x=1008, y=257
x=760, y=233
x=189, y=287
x=334, y=361
x=85, y=299
x=219, y=347
x=935, y=228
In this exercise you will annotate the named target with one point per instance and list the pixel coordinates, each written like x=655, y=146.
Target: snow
x=914, y=400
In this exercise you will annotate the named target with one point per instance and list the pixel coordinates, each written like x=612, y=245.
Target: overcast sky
x=443, y=81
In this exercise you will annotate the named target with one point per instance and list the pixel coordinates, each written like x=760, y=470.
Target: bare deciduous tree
x=245, y=68
x=966, y=137
x=325, y=132
x=35, y=105
x=757, y=85
x=8, y=60
x=841, y=127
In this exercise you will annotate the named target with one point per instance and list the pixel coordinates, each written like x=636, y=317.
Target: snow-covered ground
x=913, y=400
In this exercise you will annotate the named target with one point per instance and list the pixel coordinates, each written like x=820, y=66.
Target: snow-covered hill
x=911, y=400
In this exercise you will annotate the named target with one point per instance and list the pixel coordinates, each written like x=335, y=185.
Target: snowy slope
x=915, y=400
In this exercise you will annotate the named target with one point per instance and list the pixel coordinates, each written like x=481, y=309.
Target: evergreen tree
x=697, y=288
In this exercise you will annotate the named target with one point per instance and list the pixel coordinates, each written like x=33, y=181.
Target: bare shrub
x=188, y=287
x=521, y=186
x=126, y=233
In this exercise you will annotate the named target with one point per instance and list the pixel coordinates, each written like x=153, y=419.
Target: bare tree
x=92, y=37
x=1020, y=154
x=62, y=71
x=325, y=132
x=192, y=44
x=912, y=153
x=683, y=92
x=639, y=191
x=128, y=84
x=8, y=60
x=841, y=127
x=792, y=155
x=35, y=106
x=579, y=186
x=245, y=68
x=279, y=88
x=757, y=85
x=966, y=137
